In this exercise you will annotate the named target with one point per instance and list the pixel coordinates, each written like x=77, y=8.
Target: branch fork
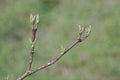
x=84, y=32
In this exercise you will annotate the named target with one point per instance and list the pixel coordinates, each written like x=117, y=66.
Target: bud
x=84, y=32
x=32, y=19
x=37, y=19
x=62, y=49
x=81, y=30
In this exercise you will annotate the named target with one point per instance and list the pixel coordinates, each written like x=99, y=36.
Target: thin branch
x=83, y=34
x=57, y=58
x=51, y=62
x=34, y=21
x=32, y=48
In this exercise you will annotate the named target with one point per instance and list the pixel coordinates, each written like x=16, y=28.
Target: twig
x=34, y=20
x=83, y=34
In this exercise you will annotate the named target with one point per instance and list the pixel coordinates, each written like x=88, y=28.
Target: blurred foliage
x=97, y=58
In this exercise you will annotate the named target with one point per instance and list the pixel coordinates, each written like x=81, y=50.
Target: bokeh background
x=97, y=58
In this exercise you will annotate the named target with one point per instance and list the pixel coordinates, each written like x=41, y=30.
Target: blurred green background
x=97, y=58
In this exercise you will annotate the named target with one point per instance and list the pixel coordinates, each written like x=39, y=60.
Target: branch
x=83, y=34
x=34, y=20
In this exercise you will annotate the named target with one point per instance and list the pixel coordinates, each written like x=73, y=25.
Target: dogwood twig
x=83, y=34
